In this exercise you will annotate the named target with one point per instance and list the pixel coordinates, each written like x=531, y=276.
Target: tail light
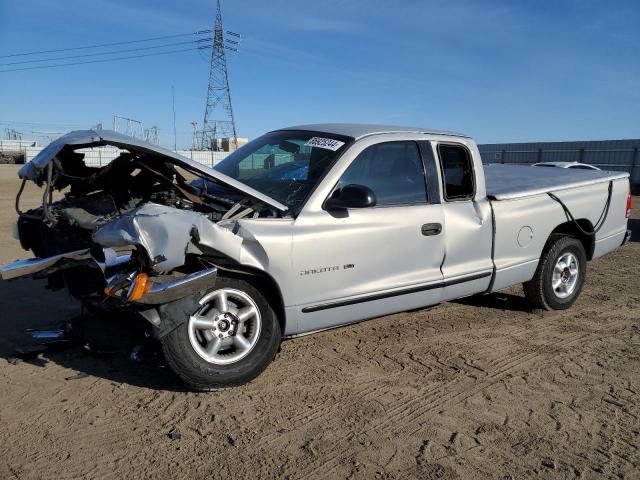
x=628, y=215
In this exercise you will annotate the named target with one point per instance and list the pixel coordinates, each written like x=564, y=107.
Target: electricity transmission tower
x=12, y=134
x=151, y=134
x=133, y=128
x=128, y=126
x=218, y=114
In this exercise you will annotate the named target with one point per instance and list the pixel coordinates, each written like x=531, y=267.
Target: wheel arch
x=570, y=229
x=267, y=286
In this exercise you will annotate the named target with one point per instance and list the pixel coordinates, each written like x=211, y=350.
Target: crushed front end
x=145, y=233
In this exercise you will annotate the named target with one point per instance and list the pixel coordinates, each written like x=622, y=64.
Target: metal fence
x=16, y=146
x=205, y=157
x=616, y=155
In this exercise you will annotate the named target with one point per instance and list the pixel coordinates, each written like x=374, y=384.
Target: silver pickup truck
x=304, y=229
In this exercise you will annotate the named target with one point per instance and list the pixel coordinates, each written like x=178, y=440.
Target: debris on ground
x=78, y=376
x=44, y=336
x=90, y=349
x=24, y=351
x=68, y=332
x=136, y=354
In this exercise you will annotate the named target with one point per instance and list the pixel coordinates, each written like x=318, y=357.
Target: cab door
x=468, y=263
x=358, y=263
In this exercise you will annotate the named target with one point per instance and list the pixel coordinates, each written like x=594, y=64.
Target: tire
x=540, y=290
x=230, y=362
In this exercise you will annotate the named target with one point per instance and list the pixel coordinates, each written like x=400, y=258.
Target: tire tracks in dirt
x=488, y=345
x=396, y=422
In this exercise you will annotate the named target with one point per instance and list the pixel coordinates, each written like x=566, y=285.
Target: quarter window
x=457, y=172
x=393, y=170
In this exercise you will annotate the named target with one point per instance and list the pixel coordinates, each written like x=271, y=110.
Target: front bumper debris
x=42, y=267
x=165, y=292
x=161, y=289
x=33, y=266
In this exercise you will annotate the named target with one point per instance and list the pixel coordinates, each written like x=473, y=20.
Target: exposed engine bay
x=147, y=228
x=95, y=196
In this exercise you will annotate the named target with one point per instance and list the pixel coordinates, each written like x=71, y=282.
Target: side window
x=393, y=170
x=457, y=172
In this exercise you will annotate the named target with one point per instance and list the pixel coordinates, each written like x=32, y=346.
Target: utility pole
x=218, y=113
x=173, y=107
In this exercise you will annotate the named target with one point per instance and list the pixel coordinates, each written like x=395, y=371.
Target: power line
x=151, y=39
x=202, y=47
x=38, y=124
x=112, y=52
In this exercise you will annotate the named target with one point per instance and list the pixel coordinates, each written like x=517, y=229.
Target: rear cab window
x=456, y=165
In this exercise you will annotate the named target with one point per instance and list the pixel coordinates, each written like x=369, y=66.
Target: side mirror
x=351, y=196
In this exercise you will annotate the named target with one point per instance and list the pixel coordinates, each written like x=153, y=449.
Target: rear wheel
x=229, y=341
x=560, y=275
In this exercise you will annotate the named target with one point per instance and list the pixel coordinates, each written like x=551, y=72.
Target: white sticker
x=327, y=143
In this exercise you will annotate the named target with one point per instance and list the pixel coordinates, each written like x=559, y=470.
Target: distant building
x=617, y=155
x=226, y=144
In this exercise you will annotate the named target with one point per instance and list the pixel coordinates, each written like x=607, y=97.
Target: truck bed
x=506, y=182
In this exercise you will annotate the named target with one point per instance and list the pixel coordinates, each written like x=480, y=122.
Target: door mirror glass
x=351, y=196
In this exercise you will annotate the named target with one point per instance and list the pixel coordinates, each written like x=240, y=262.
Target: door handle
x=429, y=229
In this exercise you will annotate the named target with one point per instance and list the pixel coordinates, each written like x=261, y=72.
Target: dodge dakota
x=304, y=229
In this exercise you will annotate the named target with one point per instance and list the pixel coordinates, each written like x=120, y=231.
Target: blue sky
x=501, y=71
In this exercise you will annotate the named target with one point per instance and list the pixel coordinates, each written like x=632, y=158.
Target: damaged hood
x=36, y=169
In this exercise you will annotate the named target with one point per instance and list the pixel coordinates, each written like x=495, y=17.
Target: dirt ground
x=481, y=388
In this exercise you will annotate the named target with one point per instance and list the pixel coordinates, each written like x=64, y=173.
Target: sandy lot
x=482, y=388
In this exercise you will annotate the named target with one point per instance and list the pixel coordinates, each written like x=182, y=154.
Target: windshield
x=284, y=165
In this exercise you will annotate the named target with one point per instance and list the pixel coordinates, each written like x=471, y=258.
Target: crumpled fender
x=168, y=234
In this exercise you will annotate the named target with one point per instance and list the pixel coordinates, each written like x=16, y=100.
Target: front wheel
x=560, y=275
x=228, y=341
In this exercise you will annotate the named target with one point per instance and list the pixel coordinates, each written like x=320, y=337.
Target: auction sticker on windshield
x=327, y=143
